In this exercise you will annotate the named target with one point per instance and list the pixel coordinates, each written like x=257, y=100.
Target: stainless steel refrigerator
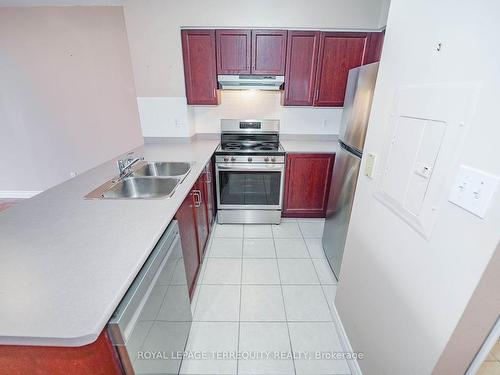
x=357, y=105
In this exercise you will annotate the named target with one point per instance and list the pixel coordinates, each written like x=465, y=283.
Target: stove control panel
x=257, y=159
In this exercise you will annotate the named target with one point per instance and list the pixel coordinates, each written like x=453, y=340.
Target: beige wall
x=153, y=28
x=401, y=295
x=476, y=322
x=67, y=96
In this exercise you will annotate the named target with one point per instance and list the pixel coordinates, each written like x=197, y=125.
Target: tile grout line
x=203, y=268
x=239, y=308
x=284, y=307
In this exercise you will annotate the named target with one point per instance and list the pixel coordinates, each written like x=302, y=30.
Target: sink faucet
x=125, y=165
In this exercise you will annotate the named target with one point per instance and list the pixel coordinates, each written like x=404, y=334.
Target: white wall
x=400, y=295
x=153, y=29
x=172, y=116
x=67, y=96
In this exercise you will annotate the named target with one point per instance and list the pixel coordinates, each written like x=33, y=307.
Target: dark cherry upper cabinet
x=200, y=74
x=307, y=184
x=233, y=51
x=186, y=220
x=268, y=52
x=338, y=53
x=301, y=62
x=374, y=50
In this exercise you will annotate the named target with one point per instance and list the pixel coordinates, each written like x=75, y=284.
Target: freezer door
x=343, y=185
x=357, y=105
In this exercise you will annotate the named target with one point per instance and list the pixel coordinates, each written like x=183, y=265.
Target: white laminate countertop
x=66, y=262
x=309, y=146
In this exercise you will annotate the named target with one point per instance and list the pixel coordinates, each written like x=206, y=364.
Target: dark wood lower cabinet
x=187, y=229
x=201, y=218
x=209, y=190
x=307, y=183
x=97, y=358
x=195, y=218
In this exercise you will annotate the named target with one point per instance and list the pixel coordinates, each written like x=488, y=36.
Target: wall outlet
x=473, y=190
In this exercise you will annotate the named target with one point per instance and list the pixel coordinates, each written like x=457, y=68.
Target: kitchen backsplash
x=172, y=117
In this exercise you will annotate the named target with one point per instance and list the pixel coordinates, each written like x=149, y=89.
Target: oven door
x=250, y=186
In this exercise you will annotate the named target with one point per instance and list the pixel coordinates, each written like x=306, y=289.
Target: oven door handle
x=251, y=167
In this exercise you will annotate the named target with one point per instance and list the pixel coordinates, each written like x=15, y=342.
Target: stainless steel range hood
x=250, y=82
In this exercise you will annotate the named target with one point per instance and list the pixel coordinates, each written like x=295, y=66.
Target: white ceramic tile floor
x=262, y=303
x=297, y=271
x=311, y=228
x=264, y=337
x=315, y=248
x=260, y=271
x=258, y=231
x=287, y=229
x=306, y=303
x=324, y=271
x=226, y=248
x=264, y=289
x=218, y=303
x=312, y=338
x=258, y=248
x=291, y=248
x=229, y=231
x=222, y=271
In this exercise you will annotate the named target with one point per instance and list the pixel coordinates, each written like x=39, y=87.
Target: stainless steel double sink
x=147, y=180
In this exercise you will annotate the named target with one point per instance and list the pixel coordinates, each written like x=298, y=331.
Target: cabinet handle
x=209, y=177
x=316, y=94
x=197, y=198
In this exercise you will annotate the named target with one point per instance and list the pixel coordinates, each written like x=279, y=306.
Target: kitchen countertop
x=309, y=146
x=66, y=262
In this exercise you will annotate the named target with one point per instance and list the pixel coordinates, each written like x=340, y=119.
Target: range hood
x=250, y=82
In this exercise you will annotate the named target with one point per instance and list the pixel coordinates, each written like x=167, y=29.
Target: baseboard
x=17, y=194
x=344, y=341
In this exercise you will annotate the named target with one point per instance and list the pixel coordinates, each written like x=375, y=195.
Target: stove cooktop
x=271, y=148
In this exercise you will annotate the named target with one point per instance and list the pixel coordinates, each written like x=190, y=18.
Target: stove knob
x=273, y=159
x=233, y=158
x=249, y=158
x=266, y=159
x=226, y=158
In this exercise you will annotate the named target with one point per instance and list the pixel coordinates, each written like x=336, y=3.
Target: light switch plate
x=473, y=190
x=370, y=165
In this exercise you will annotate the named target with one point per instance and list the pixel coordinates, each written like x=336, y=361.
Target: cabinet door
x=307, y=184
x=201, y=215
x=301, y=61
x=374, y=50
x=209, y=191
x=200, y=76
x=338, y=53
x=268, y=52
x=185, y=217
x=233, y=51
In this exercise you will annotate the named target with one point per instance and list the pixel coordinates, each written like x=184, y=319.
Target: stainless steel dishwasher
x=152, y=322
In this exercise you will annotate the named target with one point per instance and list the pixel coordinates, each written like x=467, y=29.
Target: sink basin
x=162, y=169
x=142, y=188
